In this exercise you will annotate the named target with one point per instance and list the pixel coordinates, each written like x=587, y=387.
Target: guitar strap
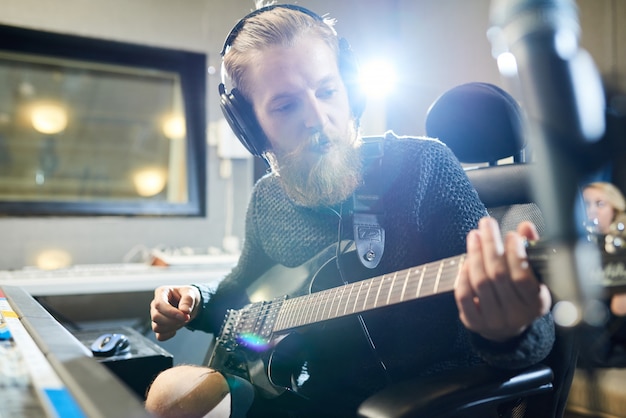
x=369, y=235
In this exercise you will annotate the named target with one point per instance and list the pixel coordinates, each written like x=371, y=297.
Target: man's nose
x=315, y=116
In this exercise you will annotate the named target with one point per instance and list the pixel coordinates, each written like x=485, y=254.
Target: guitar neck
x=365, y=295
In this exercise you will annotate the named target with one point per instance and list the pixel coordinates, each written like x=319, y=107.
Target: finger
x=523, y=279
x=466, y=300
x=528, y=230
x=492, y=247
x=186, y=303
x=163, y=336
x=546, y=299
x=500, y=304
x=166, y=303
x=484, y=251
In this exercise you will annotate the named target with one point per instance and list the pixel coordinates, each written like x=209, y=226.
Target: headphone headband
x=239, y=25
x=239, y=113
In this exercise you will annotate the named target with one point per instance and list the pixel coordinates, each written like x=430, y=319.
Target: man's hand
x=497, y=293
x=172, y=308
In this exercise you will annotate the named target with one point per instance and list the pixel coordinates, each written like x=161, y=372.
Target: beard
x=325, y=180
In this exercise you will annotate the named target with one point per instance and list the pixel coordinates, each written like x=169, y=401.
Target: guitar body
x=263, y=341
x=275, y=363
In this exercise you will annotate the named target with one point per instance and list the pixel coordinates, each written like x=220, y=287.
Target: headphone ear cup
x=349, y=68
x=240, y=116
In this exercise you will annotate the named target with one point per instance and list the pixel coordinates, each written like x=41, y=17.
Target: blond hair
x=275, y=26
x=613, y=195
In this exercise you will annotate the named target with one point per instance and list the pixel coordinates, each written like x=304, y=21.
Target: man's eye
x=327, y=93
x=284, y=107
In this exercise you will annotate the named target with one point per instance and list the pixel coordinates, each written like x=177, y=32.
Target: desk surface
x=113, y=278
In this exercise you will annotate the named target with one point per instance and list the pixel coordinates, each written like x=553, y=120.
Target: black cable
x=362, y=323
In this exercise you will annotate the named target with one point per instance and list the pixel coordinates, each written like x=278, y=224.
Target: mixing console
x=46, y=372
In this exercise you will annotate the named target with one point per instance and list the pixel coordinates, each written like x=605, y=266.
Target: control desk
x=47, y=372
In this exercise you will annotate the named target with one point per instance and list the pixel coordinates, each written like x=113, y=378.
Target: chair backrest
x=482, y=123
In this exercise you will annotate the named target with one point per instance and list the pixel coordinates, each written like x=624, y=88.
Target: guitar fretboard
x=377, y=292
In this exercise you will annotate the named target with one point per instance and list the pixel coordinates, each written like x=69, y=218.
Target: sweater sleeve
x=231, y=292
x=530, y=348
x=455, y=205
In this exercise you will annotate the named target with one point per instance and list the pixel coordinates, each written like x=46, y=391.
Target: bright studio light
x=174, y=127
x=507, y=64
x=51, y=259
x=149, y=181
x=377, y=78
x=48, y=118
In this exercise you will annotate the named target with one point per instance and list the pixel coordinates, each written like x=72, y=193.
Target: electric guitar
x=250, y=337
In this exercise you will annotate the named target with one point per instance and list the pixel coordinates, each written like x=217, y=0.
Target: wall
x=193, y=25
x=435, y=44
x=604, y=36
x=201, y=25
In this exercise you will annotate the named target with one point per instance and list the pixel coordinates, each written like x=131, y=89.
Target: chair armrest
x=455, y=391
x=503, y=185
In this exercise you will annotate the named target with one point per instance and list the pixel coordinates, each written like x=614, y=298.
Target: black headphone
x=238, y=111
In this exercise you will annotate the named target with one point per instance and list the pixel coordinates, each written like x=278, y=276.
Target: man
x=296, y=99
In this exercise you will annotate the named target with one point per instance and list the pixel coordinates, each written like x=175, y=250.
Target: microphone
x=562, y=88
x=562, y=95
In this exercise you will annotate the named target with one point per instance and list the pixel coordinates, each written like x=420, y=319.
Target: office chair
x=481, y=123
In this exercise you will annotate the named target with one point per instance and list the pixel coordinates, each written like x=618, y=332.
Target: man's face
x=302, y=106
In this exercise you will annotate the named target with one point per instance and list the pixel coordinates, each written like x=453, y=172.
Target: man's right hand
x=172, y=308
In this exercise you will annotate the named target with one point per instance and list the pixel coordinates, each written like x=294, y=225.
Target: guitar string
x=413, y=283
x=444, y=281
x=312, y=302
x=392, y=289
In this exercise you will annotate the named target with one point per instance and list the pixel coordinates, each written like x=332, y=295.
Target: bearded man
x=295, y=103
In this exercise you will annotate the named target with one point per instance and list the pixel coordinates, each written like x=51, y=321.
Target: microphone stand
x=562, y=95
x=564, y=102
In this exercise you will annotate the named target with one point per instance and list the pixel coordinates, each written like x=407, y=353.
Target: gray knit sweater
x=430, y=207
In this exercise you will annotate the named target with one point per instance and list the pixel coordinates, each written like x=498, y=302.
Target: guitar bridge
x=252, y=326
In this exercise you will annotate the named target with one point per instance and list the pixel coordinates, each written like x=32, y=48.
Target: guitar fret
x=406, y=280
x=306, y=312
x=345, y=308
x=282, y=313
x=310, y=312
x=302, y=314
x=380, y=286
x=391, y=289
x=314, y=308
x=436, y=286
x=369, y=288
x=339, y=302
x=331, y=296
x=294, y=315
x=322, y=315
x=356, y=299
x=420, y=282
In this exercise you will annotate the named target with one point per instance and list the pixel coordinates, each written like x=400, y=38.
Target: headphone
x=238, y=111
